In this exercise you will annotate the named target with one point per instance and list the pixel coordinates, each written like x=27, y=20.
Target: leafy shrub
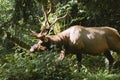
x=21, y=66
x=46, y=66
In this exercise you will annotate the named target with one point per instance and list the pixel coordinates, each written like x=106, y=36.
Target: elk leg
x=79, y=58
x=62, y=55
x=110, y=59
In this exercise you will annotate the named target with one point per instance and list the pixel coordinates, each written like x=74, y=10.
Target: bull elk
x=80, y=40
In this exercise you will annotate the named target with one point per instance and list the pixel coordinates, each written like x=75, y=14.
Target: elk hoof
x=61, y=58
x=62, y=55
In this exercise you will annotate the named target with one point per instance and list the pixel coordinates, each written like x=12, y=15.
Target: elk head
x=43, y=43
x=37, y=47
x=40, y=46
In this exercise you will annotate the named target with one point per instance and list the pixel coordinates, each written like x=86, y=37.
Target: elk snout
x=37, y=47
x=31, y=50
x=34, y=47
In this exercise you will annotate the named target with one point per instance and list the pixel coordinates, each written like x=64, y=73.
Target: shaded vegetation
x=18, y=17
x=47, y=66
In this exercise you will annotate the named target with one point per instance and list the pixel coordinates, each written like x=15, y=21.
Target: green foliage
x=6, y=9
x=99, y=13
x=46, y=66
x=32, y=67
x=19, y=64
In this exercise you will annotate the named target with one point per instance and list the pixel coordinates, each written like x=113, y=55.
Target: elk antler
x=57, y=19
x=37, y=35
x=49, y=11
x=46, y=14
x=46, y=24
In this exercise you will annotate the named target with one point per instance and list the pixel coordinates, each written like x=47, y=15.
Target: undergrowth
x=22, y=65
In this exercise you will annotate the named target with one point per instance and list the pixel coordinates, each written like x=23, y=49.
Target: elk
x=80, y=40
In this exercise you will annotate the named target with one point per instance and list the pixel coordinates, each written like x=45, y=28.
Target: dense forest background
x=19, y=17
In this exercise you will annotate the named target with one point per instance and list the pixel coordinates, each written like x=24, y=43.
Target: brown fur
x=95, y=40
x=91, y=40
